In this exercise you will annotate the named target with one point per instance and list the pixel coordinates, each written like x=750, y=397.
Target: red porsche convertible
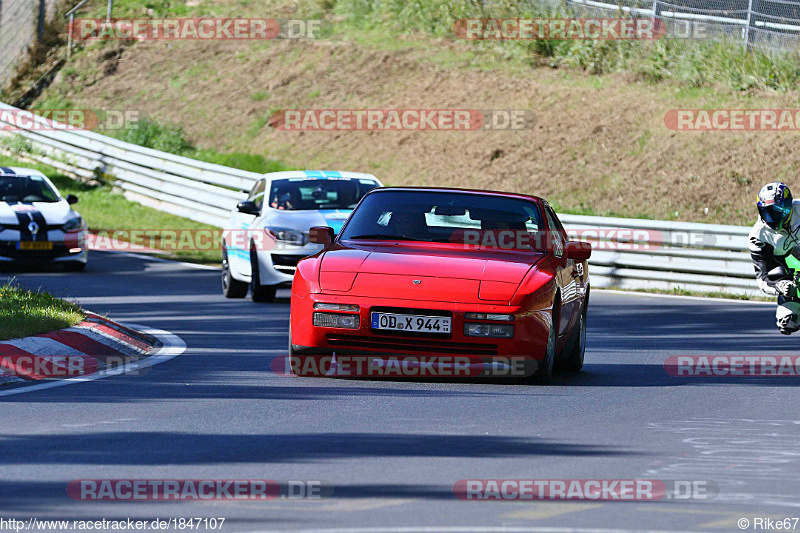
x=432, y=277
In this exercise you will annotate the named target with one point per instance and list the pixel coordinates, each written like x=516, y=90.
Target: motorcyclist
x=775, y=237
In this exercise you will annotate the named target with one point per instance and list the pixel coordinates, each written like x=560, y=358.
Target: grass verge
x=24, y=313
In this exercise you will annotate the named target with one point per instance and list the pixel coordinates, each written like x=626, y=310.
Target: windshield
x=26, y=189
x=440, y=216
x=303, y=194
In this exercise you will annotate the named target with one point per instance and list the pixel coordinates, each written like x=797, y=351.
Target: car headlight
x=73, y=224
x=289, y=236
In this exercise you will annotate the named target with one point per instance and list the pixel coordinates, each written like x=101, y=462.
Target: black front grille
x=285, y=263
x=389, y=345
x=9, y=249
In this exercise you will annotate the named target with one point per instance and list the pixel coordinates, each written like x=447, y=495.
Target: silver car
x=268, y=233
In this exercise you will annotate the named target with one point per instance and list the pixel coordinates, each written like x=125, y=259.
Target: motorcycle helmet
x=775, y=205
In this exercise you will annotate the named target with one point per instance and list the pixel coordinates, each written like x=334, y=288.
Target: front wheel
x=259, y=292
x=545, y=370
x=573, y=360
x=231, y=287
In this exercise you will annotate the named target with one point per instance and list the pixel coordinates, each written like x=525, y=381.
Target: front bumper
x=531, y=329
x=277, y=266
x=65, y=247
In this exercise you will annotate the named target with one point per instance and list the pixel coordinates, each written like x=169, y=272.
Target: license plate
x=420, y=323
x=35, y=245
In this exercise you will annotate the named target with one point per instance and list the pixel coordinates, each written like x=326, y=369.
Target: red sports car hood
x=425, y=273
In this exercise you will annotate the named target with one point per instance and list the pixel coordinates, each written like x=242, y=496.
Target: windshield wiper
x=381, y=236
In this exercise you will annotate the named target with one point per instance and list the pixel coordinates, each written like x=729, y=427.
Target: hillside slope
x=599, y=144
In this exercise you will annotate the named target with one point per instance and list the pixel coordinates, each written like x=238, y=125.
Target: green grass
x=171, y=139
x=24, y=313
x=105, y=209
x=402, y=24
x=700, y=63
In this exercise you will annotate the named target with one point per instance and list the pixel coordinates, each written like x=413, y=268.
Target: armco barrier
x=663, y=255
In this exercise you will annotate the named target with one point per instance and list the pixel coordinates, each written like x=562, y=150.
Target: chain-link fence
x=20, y=24
x=767, y=24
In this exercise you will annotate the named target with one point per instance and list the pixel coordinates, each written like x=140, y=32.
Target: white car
x=37, y=225
x=268, y=232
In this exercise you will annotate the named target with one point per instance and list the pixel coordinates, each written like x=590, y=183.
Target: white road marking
x=104, y=422
x=172, y=346
x=42, y=346
x=162, y=260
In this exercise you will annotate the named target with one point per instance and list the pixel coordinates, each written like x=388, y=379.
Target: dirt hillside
x=599, y=144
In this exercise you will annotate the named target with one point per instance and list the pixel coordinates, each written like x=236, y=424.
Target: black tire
x=544, y=372
x=575, y=351
x=75, y=266
x=231, y=287
x=258, y=292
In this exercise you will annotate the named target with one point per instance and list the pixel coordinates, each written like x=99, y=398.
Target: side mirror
x=72, y=199
x=321, y=235
x=248, y=208
x=578, y=251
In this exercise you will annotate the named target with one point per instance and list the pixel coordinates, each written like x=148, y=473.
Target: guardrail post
x=40, y=24
x=749, y=34
x=656, y=9
x=69, y=33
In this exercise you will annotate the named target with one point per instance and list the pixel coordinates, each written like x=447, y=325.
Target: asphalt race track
x=393, y=450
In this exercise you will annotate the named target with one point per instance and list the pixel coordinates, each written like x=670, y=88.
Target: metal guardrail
x=186, y=187
x=629, y=253
x=654, y=254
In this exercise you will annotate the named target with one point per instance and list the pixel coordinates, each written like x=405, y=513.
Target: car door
x=238, y=247
x=565, y=277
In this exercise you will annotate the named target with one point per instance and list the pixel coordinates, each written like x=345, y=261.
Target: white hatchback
x=274, y=221
x=37, y=225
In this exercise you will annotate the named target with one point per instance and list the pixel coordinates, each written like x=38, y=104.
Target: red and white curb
x=94, y=349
